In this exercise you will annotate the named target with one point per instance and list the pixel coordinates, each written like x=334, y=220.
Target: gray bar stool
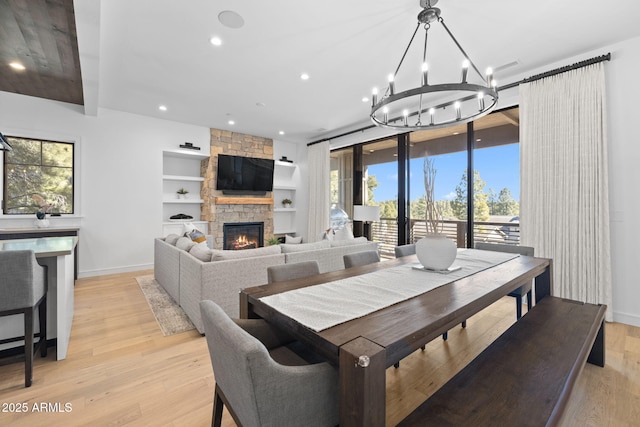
x=23, y=288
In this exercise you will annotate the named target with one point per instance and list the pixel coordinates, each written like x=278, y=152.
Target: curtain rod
x=577, y=65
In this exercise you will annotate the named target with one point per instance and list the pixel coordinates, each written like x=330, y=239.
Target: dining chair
x=23, y=288
x=405, y=250
x=261, y=380
x=357, y=259
x=525, y=289
x=295, y=270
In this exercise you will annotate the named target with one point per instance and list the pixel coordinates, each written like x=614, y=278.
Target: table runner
x=322, y=306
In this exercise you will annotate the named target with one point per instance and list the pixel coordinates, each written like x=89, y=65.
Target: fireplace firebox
x=243, y=235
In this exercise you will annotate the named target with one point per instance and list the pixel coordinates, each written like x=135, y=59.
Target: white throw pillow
x=203, y=253
x=345, y=233
x=292, y=240
x=185, y=243
x=171, y=239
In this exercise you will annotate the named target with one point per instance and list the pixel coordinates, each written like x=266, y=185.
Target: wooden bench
x=525, y=377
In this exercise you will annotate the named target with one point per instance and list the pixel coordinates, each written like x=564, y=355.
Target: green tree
x=372, y=184
x=506, y=205
x=459, y=204
x=388, y=209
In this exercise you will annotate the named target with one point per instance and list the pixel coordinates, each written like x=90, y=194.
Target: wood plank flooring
x=120, y=369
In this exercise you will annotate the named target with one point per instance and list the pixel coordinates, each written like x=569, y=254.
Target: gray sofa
x=191, y=273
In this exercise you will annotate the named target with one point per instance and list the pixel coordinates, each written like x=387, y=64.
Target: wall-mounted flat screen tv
x=244, y=175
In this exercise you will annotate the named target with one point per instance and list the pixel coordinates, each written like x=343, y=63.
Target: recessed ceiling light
x=281, y=132
x=216, y=41
x=365, y=99
x=304, y=76
x=162, y=107
x=17, y=66
x=231, y=122
x=230, y=19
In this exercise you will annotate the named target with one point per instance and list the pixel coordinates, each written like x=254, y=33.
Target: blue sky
x=499, y=167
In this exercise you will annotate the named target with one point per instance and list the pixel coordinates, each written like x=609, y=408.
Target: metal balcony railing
x=385, y=231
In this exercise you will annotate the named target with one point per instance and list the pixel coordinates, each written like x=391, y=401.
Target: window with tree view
x=38, y=176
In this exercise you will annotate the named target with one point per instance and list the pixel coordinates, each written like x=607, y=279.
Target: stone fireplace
x=243, y=235
x=219, y=210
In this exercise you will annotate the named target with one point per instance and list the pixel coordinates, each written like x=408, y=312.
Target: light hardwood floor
x=121, y=370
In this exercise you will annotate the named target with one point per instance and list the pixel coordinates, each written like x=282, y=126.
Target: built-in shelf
x=181, y=170
x=183, y=201
x=284, y=209
x=185, y=154
x=284, y=187
x=182, y=178
x=285, y=164
x=227, y=200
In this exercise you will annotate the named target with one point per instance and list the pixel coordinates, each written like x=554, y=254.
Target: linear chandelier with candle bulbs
x=429, y=105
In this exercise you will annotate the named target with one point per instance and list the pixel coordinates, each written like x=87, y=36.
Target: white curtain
x=564, y=210
x=319, y=190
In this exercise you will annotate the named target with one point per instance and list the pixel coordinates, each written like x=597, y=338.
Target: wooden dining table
x=362, y=348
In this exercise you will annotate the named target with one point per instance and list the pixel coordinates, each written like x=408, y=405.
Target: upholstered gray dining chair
x=525, y=289
x=404, y=250
x=23, y=288
x=295, y=270
x=357, y=259
x=261, y=380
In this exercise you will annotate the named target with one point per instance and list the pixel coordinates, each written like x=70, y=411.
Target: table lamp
x=366, y=214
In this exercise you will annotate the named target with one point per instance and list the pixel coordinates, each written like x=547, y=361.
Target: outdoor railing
x=385, y=231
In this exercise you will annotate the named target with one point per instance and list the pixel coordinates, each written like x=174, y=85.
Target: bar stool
x=23, y=288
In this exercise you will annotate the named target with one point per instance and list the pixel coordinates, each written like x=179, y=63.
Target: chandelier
x=432, y=106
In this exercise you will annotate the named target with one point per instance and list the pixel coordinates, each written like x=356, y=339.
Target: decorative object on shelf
x=367, y=214
x=434, y=251
x=284, y=159
x=180, y=217
x=286, y=203
x=432, y=106
x=182, y=193
x=190, y=146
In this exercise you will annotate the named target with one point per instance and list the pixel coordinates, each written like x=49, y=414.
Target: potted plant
x=435, y=251
x=286, y=203
x=182, y=193
x=273, y=240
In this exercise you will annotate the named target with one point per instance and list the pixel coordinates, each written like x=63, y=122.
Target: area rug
x=168, y=314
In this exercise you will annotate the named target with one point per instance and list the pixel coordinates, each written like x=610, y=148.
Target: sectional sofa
x=191, y=272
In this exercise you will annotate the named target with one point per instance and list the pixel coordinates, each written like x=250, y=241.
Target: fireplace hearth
x=243, y=235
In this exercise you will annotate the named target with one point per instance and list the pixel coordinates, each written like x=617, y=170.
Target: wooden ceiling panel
x=41, y=35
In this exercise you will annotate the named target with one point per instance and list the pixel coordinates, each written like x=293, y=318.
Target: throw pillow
x=345, y=233
x=185, y=243
x=171, y=239
x=197, y=236
x=201, y=252
x=292, y=240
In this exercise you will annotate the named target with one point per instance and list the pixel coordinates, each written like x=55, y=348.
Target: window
x=38, y=174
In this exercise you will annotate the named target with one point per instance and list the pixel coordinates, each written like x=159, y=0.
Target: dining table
x=365, y=319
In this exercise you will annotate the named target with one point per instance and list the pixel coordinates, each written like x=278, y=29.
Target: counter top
x=42, y=246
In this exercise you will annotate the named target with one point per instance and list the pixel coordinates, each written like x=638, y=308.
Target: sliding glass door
x=481, y=206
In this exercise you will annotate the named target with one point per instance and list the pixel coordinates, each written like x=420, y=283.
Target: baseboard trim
x=626, y=318
x=117, y=270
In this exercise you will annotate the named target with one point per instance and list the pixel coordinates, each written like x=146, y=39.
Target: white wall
x=119, y=176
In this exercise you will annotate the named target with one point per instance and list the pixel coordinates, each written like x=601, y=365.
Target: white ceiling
x=154, y=52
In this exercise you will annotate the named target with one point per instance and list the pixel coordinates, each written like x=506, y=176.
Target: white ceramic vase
x=42, y=223
x=436, y=251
